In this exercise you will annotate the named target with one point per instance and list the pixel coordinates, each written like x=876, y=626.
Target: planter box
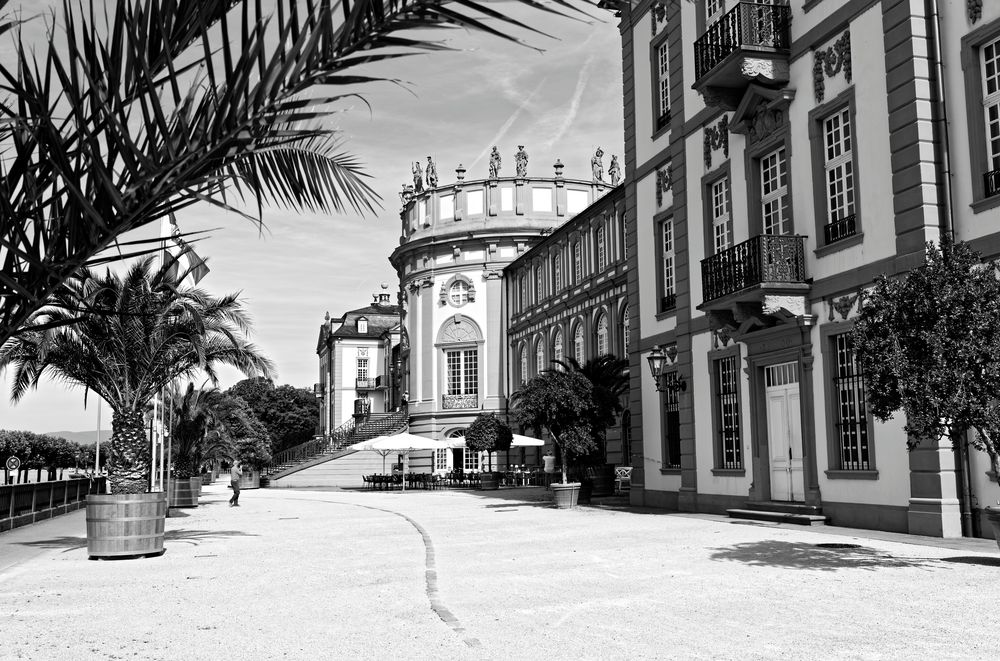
x=565, y=495
x=183, y=492
x=207, y=478
x=488, y=482
x=125, y=525
x=250, y=480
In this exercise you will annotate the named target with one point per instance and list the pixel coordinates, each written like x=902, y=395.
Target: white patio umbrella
x=399, y=444
x=518, y=441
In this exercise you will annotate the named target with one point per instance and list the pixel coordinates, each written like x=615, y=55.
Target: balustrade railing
x=460, y=401
x=991, y=183
x=765, y=258
x=840, y=228
x=748, y=25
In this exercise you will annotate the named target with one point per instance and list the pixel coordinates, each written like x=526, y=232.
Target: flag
x=184, y=261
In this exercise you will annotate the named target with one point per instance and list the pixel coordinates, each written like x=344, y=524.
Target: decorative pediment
x=761, y=112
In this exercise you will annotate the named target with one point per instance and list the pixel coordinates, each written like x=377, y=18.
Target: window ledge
x=658, y=133
x=985, y=204
x=729, y=472
x=666, y=314
x=670, y=471
x=852, y=475
x=810, y=4
x=837, y=246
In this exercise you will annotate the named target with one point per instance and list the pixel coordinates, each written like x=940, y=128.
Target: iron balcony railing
x=460, y=401
x=991, y=183
x=748, y=26
x=777, y=259
x=668, y=302
x=364, y=384
x=840, y=229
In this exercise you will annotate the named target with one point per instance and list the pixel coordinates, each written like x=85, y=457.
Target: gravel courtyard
x=469, y=575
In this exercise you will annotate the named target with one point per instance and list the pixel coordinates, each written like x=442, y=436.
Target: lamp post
x=669, y=382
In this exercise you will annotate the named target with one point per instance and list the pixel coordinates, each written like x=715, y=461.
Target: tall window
x=524, y=364
x=838, y=160
x=539, y=284
x=539, y=357
x=362, y=368
x=470, y=460
x=440, y=460
x=578, y=262
x=669, y=298
x=626, y=332
x=557, y=346
x=672, y=431
x=458, y=293
x=602, y=251
x=851, y=416
x=774, y=193
x=728, y=421
x=713, y=8
x=602, y=335
x=523, y=288
x=362, y=325
x=578, y=349
x=722, y=222
x=991, y=113
x=663, y=85
x=557, y=272
x=463, y=371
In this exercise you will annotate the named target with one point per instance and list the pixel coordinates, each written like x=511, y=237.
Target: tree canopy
x=928, y=343
x=488, y=433
x=290, y=414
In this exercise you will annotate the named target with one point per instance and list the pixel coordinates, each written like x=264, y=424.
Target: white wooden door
x=784, y=432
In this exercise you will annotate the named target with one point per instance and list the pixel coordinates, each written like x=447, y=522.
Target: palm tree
x=195, y=414
x=140, y=332
x=609, y=376
x=136, y=110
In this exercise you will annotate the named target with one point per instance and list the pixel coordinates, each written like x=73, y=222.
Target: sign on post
x=13, y=463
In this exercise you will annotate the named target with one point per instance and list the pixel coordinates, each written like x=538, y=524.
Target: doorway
x=784, y=432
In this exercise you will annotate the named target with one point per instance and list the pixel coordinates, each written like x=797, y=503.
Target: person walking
x=549, y=466
x=235, y=474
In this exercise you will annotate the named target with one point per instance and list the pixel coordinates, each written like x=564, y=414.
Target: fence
x=21, y=504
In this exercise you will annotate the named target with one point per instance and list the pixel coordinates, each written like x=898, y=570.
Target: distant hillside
x=84, y=437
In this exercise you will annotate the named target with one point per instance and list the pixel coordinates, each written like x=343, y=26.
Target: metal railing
x=991, y=183
x=749, y=25
x=460, y=401
x=21, y=504
x=364, y=384
x=840, y=228
x=764, y=258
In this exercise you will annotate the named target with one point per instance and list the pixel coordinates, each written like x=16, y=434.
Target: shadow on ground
x=193, y=537
x=985, y=561
x=798, y=555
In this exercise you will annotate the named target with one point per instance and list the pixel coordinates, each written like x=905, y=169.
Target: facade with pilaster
x=456, y=239
x=779, y=156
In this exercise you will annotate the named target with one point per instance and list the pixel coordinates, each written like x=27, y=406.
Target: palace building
x=779, y=156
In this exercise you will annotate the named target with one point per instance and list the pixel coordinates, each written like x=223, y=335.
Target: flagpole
x=97, y=450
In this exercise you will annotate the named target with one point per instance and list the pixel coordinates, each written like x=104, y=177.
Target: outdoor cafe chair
x=623, y=479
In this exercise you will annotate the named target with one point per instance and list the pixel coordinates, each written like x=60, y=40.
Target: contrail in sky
x=506, y=125
x=574, y=105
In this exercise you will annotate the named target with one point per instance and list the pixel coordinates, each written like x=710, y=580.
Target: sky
x=561, y=103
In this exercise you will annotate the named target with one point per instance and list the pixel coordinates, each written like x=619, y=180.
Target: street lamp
x=657, y=362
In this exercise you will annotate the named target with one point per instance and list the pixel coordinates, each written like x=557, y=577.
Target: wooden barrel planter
x=565, y=495
x=489, y=482
x=183, y=492
x=206, y=479
x=125, y=525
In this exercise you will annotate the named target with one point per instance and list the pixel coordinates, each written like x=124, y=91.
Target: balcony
x=746, y=272
x=364, y=384
x=840, y=229
x=749, y=44
x=991, y=183
x=460, y=401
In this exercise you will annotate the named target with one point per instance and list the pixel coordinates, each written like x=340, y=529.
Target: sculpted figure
x=614, y=171
x=521, y=161
x=418, y=178
x=494, y=163
x=597, y=166
x=432, y=174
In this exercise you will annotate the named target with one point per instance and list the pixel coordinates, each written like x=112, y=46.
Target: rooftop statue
x=521, y=161
x=418, y=178
x=494, y=163
x=432, y=174
x=614, y=171
x=597, y=166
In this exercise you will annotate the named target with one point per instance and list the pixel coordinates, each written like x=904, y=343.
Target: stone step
x=778, y=517
x=782, y=506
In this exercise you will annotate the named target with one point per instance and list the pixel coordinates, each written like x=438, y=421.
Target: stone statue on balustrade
x=432, y=174
x=597, y=166
x=494, y=163
x=614, y=171
x=418, y=178
x=521, y=161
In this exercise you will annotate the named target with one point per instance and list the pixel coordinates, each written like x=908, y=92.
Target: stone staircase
x=780, y=512
x=324, y=449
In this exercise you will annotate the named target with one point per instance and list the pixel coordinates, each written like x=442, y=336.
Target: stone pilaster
x=934, y=506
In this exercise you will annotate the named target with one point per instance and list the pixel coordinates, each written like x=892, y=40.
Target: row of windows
x=851, y=421
x=602, y=346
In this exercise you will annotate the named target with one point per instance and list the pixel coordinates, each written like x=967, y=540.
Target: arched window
x=578, y=262
x=602, y=335
x=626, y=334
x=539, y=357
x=459, y=339
x=578, y=348
x=524, y=364
x=557, y=346
x=458, y=294
x=362, y=325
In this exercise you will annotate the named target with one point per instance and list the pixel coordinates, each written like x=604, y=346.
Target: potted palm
x=490, y=434
x=193, y=412
x=125, y=338
x=561, y=402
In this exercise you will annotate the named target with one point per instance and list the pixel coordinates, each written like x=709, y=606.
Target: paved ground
x=463, y=575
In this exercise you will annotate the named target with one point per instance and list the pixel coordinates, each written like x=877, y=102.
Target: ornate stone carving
x=614, y=171
x=794, y=306
x=418, y=178
x=672, y=354
x=459, y=401
x=431, y=174
x=843, y=305
x=492, y=274
x=716, y=137
x=458, y=331
x=664, y=182
x=657, y=15
x=975, y=11
x=764, y=123
x=722, y=336
x=829, y=62
x=597, y=166
x=494, y=163
x=521, y=161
